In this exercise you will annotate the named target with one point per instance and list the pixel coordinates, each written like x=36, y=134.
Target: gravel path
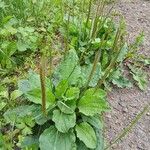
x=126, y=103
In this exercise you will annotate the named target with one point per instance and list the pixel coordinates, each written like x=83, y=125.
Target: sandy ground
x=126, y=103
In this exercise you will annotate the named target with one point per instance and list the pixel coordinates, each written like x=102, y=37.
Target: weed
x=62, y=109
x=66, y=111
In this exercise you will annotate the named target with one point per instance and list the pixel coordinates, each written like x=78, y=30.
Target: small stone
x=148, y=114
x=124, y=110
x=144, y=5
x=108, y=116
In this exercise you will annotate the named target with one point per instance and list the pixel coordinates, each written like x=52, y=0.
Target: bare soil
x=127, y=103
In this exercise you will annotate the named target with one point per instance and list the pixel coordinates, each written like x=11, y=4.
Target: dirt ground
x=126, y=103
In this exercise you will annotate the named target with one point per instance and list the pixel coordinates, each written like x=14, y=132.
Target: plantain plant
x=71, y=121
x=62, y=108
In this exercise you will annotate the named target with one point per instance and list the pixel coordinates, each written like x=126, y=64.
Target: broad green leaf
x=69, y=68
x=93, y=102
x=95, y=121
x=32, y=89
x=61, y=88
x=24, y=86
x=86, y=70
x=73, y=93
x=63, y=122
x=100, y=139
x=30, y=143
x=33, y=82
x=6, y=19
x=65, y=108
x=35, y=96
x=81, y=145
x=11, y=115
x=86, y=134
x=41, y=118
x=69, y=103
x=6, y=51
x=54, y=140
x=33, y=111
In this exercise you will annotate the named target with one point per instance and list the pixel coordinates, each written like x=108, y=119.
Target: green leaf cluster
x=95, y=54
x=74, y=116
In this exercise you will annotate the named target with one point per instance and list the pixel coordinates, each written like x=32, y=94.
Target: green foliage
x=29, y=142
x=53, y=139
x=139, y=76
x=63, y=122
x=15, y=39
x=28, y=39
x=61, y=88
x=67, y=107
x=86, y=70
x=120, y=80
x=32, y=90
x=93, y=102
x=24, y=25
x=95, y=121
x=86, y=134
x=72, y=69
x=93, y=54
x=5, y=143
x=64, y=114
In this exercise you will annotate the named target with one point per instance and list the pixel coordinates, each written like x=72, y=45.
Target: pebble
x=148, y=114
x=144, y=5
x=108, y=116
x=124, y=110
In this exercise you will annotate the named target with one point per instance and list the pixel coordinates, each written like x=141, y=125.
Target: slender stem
x=42, y=79
x=73, y=11
x=82, y=54
x=50, y=73
x=99, y=11
x=129, y=127
x=89, y=12
x=96, y=60
x=67, y=30
x=101, y=24
x=111, y=65
x=97, y=57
